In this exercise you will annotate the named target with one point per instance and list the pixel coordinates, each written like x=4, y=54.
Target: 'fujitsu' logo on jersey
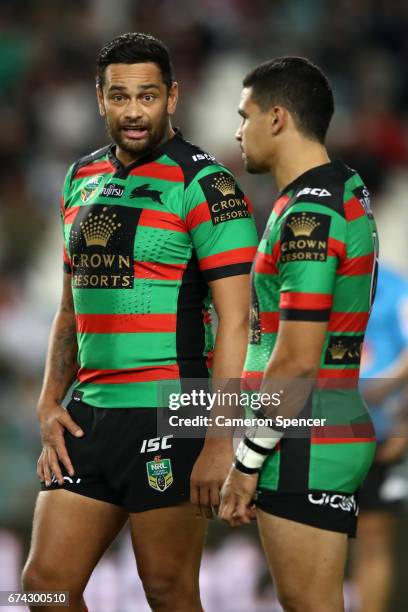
x=112, y=190
x=144, y=191
x=305, y=237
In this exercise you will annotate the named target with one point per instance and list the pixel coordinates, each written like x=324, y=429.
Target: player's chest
x=112, y=225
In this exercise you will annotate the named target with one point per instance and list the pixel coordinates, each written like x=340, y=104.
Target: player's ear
x=101, y=102
x=277, y=116
x=172, y=98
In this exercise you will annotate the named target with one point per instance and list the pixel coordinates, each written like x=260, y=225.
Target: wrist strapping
x=255, y=447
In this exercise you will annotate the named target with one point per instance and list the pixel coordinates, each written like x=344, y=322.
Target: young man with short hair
x=313, y=284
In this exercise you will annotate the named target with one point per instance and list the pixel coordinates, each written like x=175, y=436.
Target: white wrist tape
x=255, y=447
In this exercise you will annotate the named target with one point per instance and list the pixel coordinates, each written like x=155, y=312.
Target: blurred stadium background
x=49, y=118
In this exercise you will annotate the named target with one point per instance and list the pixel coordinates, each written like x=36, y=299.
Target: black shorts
x=120, y=459
x=323, y=509
x=383, y=490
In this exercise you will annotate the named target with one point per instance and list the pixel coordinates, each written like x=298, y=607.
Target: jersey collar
x=122, y=171
x=309, y=174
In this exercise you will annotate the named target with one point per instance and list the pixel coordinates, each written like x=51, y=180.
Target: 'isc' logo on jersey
x=305, y=237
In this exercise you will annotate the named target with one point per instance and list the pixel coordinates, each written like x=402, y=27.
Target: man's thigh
x=302, y=558
x=168, y=543
x=70, y=534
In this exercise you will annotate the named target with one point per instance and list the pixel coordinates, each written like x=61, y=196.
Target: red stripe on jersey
x=269, y=322
x=70, y=214
x=162, y=220
x=336, y=248
x=159, y=271
x=101, y=167
x=265, y=264
x=342, y=440
x=134, y=375
x=243, y=255
x=125, y=323
x=207, y=320
x=353, y=209
x=65, y=256
x=340, y=373
x=353, y=266
x=340, y=379
x=251, y=381
x=199, y=214
x=342, y=434
x=348, y=321
x=159, y=171
x=308, y=301
x=249, y=204
x=210, y=359
x=280, y=204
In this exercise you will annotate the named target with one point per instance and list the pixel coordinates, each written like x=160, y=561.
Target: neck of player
x=295, y=157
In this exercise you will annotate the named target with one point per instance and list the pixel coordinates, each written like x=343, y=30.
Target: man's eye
x=148, y=97
x=118, y=98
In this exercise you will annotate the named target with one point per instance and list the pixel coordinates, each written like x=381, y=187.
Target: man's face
x=136, y=105
x=254, y=135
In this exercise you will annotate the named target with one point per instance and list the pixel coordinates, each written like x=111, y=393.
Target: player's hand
x=237, y=495
x=53, y=420
x=392, y=450
x=209, y=472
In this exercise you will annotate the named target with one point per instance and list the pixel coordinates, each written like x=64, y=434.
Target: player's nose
x=133, y=109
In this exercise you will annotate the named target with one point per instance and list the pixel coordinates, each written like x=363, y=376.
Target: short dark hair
x=135, y=48
x=298, y=85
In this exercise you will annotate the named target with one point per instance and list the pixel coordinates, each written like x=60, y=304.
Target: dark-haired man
x=154, y=230
x=313, y=283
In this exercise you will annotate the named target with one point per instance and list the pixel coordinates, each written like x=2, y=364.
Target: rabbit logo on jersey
x=159, y=473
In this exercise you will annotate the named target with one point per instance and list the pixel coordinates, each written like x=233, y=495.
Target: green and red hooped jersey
x=142, y=242
x=317, y=261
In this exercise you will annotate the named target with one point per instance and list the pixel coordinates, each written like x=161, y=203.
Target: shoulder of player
x=194, y=161
x=325, y=186
x=89, y=159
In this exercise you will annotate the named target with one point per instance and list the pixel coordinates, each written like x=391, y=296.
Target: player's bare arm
x=60, y=371
x=296, y=356
x=231, y=303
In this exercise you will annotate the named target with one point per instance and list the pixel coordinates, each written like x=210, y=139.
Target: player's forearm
x=230, y=348
x=292, y=378
x=295, y=376
x=61, y=364
x=229, y=356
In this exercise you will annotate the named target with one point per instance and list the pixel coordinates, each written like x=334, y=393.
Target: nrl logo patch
x=90, y=188
x=159, y=473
